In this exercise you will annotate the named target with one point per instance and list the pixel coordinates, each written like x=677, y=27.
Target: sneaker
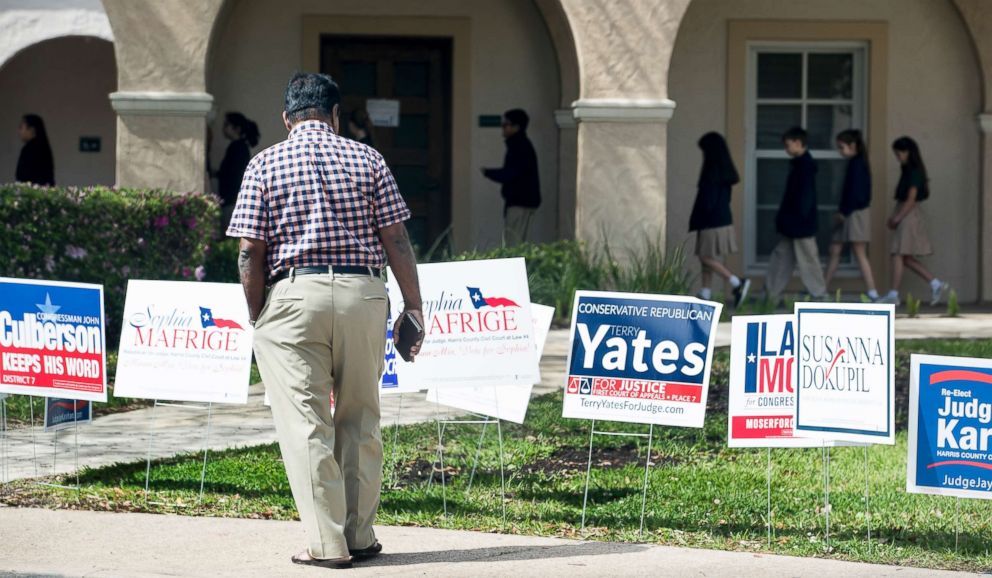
x=937, y=293
x=892, y=299
x=740, y=292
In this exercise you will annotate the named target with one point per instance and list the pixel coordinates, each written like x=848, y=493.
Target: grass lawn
x=701, y=493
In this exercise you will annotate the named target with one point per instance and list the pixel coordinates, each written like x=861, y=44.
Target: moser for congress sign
x=184, y=341
x=477, y=323
x=950, y=426
x=640, y=358
x=762, y=383
x=845, y=372
x=52, y=340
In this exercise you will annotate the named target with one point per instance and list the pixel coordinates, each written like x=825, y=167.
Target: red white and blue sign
x=52, y=339
x=640, y=358
x=66, y=413
x=950, y=427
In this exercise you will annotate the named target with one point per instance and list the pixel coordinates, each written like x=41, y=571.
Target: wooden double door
x=416, y=74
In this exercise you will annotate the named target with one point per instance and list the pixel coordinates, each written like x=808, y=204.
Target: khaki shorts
x=714, y=243
x=910, y=237
x=856, y=228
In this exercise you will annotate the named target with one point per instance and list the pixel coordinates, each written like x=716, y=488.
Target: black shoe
x=740, y=292
x=366, y=553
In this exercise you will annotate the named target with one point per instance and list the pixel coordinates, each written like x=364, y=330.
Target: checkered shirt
x=317, y=199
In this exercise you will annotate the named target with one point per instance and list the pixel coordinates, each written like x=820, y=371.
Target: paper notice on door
x=383, y=112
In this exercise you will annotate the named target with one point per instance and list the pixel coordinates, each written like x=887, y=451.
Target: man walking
x=317, y=215
x=796, y=223
x=521, y=188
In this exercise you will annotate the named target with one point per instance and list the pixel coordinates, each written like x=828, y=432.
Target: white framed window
x=820, y=86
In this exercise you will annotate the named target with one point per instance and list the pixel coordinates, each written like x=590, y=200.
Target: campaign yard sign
x=950, y=426
x=506, y=402
x=66, y=413
x=640, y=358
x=390, y=382
x=762, y=383
x=477, y=323
x=184, y=341
x=52, y=339
x=845, y=372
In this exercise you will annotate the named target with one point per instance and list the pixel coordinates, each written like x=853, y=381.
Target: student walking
x=244, y=135
x=35, y=164
x=711, y=217
x=796, y=223
x=910, y=239
x=853, y=218
x=518, y=177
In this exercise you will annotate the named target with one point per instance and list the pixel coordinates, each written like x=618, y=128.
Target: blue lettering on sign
x=768, y=369
x=647, y=339
x=954, y=428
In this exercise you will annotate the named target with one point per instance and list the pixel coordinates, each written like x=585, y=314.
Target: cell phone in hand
x=411, y=332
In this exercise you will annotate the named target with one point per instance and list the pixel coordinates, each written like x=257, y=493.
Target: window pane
x=780, y=75
x=829, y=182
x=359, y=78
x=772, y=122
x=830, y=76
x=767, y=237
x=771, y=180
x=825, y=121
x=410, y=79
x=412, y=132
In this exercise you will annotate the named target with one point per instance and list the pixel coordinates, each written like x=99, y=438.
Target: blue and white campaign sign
x=845, y=372
x=66, y=413
x=390, y=381
x=52, y=339
x=950, y=426
x=505, y=402
x=640, y=358
x=477, y=323
x=184, y=341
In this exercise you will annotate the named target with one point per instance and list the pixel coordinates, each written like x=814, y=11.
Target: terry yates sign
x=950, y=426
x=640, y=358
x=184, y=342
x=52, y=339
x=477, y=323
x=762, y=383
x=845, y=372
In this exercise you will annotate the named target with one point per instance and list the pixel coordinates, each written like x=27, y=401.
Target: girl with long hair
x=853, y=217
x=35, y=163
x=711, y=217
x=910, y=239
x=243, y=134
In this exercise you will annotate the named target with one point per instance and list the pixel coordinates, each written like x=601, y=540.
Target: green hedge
x=105, y=236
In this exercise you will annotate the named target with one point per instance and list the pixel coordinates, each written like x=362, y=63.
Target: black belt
x=327, y=269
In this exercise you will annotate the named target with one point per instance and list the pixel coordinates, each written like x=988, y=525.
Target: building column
x=161, y=139
x=567, y=151
x=621, y=179
x=985, y=238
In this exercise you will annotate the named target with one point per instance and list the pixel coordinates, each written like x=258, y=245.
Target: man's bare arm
x=251, y=265
x=403, y=264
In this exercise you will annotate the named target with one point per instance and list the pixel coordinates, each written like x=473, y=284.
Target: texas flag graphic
x=207, y=319
x=481, y=301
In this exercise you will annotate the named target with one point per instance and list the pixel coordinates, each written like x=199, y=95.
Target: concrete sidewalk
x=103, y=545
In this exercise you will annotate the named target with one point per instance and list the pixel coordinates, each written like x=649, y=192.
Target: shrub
x=555, y=271
x=104, y=236
x=221, y=265
x=912, y=306
x=953, y=309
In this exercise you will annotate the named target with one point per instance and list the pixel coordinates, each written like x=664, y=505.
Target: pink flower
x=191, y=223
x=161, y=222
x=75, y=252
x=200, y=273
x=186, y=272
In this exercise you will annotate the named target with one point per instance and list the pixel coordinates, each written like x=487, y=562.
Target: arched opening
x=452, y=68
x=66, y=81
x=724, y=46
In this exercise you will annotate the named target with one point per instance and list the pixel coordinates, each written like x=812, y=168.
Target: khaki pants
x=316, y=330
x=516, y=223
x=792, y=254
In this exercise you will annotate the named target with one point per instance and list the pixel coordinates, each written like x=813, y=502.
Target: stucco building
x=618, y=92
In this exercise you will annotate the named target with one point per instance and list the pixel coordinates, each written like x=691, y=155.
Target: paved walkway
x=125, y=437
x=103, y=545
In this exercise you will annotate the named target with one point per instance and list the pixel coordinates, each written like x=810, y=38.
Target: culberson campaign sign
x=640, y=358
